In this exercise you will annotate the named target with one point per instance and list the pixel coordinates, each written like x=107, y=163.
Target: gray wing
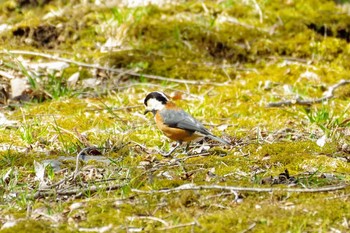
x=182, y=120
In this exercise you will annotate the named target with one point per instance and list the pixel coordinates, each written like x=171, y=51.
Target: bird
x=174, y=122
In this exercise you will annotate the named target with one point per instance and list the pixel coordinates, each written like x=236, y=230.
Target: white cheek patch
x=153, y=104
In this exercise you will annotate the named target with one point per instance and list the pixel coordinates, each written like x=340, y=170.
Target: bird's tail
x=218, y=139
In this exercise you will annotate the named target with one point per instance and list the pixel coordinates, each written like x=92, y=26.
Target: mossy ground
x=243, y=54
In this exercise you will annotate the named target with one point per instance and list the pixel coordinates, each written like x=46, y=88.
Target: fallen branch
x=243, y=189
x=132, y=218
x=96, y=229
x=113, y=70
x=258, y=9
x=6, y=75
x=249, y=228
x=48, y=190
x=326, y=96
x=178, y=226
x=92, y=189
x=76, y=191
x=71, y=176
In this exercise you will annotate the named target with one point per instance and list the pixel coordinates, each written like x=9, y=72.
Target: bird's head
x=155, y=101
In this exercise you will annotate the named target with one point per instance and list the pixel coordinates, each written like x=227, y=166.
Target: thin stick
x=149, y=218
x=244, y=189
x=258, y=9
x=96, y=229
x=74, y=175
x=114, y=70
x=6, y=75
x=76, y=171
x=327, y=95
x=177, y=226
x=249, y=228
x=77, y=191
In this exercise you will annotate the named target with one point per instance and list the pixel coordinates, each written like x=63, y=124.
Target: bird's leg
x=172, y=150
x=187, y=148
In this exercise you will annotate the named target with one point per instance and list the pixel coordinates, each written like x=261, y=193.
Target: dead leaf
x=210, y=174
x=321, y=141
x=76, y=205
x=91, y=83
x=222, y=127
x=5, y=122
x=9, y=224
x=167, y=175
x=73, y=79
x=39, y=169
x=58, y=66
x=18, y=86
x=288, y=89
x=5, y=27
x=6, y=176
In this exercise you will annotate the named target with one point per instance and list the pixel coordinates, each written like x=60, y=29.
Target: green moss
x=30, y=225
x=249, y=62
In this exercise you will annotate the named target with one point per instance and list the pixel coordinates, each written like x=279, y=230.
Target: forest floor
x=78, y=154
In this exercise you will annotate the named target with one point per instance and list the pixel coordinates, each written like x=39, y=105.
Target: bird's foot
x=167, y=154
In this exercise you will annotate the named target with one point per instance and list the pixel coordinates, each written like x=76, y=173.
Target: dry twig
x=96, y=229
x=49, y=189
x=178, y=226
x=326, y=96
x=114, y=70
x=258, y=9
x=244, y=189
x=251, y=226
x=76, y=191
x=149, y=218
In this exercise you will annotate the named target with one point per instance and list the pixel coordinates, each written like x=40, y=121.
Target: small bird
x=174, y=122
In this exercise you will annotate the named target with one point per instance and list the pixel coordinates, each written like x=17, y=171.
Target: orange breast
x=175, y=134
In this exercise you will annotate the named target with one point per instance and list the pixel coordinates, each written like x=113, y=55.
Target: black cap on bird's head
x=155, y=101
